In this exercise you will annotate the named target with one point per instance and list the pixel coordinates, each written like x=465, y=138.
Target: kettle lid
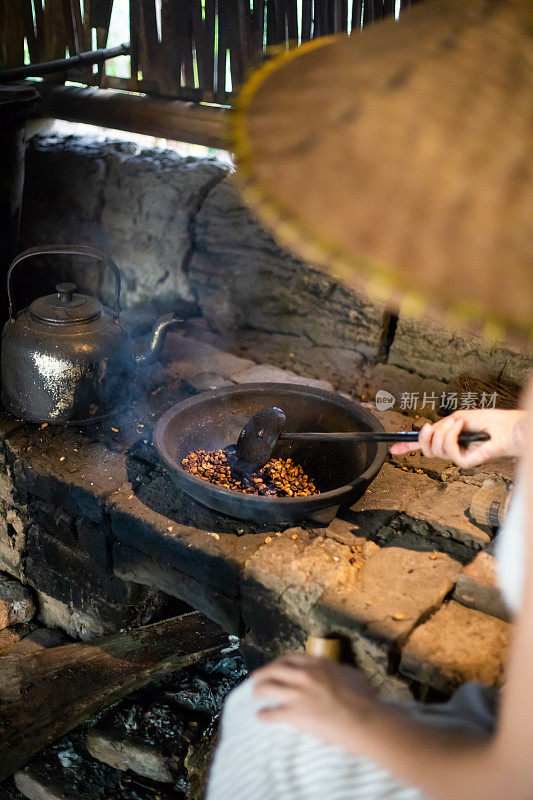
x=66, y=306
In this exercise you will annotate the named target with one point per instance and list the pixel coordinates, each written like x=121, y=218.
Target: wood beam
x=161, y=117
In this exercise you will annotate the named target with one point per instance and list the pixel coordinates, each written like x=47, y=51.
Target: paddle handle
x=465, y=437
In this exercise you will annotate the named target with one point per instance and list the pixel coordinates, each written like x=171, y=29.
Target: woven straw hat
x=399, y=159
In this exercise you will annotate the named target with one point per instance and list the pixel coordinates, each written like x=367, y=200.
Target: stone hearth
x=91, y=522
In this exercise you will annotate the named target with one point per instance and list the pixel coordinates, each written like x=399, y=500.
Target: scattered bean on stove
x=280, y=477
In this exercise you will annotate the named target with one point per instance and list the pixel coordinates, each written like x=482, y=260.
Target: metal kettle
x=66, y=358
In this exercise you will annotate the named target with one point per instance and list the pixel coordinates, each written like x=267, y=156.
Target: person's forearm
x=516, y=444
x=505, y=429
x=505, y=426
x=443, y=764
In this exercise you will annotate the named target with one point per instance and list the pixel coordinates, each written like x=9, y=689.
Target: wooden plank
x=281, y=19
x=148, y=45
x=357, y=11
x=200, y=47
x=100, y=13
x=12, y=34
x=135, y=16
x=170, y=53
x=87, y=30
x=101, y=43
x=46, y=694
x=258, y=24
x=184, y=34
x=221, y=10
x=271, y=26
x=292, y=21
x=368, y=11
x=339, y=16
x=275, y=22
x=209, y=59
x=234, y=44
x=320, y=19
x=90, y=77
x=29, y=30
x=77, y=24
x=70, y=37
x=373, y=10
x=38, y=27
x=246, y=48
x=307, y=19
x=55, y=40
x=3, y=35
x=149, y=28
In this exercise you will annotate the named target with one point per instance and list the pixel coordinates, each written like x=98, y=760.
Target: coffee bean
x=278, y=478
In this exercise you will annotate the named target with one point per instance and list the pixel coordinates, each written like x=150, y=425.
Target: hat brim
x=399, y=159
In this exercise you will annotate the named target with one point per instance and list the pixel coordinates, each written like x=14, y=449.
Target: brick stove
x=95, y=538
x=92, y=523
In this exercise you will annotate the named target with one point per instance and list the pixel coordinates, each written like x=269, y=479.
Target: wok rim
x=312, y=502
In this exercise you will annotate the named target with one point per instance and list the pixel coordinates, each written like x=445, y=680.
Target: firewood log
x=44, y=695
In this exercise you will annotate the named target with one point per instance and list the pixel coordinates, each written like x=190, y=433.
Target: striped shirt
x=257, y=760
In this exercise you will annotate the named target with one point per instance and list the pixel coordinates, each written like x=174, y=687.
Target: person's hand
x=440, y=440
x=316, y=695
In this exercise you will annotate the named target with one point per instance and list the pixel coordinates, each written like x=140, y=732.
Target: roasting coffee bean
x=280, y=477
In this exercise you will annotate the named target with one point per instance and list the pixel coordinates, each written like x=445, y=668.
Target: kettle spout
x=151, y=350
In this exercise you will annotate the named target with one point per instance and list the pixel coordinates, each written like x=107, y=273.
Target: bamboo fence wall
x=190, y=49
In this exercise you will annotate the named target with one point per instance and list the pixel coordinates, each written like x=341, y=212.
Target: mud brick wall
x=178, y=230
x=54, y=537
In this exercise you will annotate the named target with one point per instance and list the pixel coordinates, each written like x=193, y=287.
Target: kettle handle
x=58, y=249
